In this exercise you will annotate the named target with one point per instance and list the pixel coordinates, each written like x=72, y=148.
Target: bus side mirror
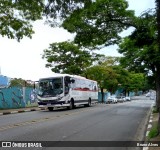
x=35, y=83
x=72, y=80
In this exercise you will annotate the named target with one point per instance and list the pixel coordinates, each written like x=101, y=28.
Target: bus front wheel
x=71, y=106
x=50, y=108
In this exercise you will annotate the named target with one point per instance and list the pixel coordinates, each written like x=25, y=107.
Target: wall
x=106, y=95
x=4, y=81
x=17, y=97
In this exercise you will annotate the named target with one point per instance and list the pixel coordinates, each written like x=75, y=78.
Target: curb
x=20, y=111
x=149, y=126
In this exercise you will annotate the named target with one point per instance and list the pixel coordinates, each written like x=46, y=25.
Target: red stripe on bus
x=84, y=89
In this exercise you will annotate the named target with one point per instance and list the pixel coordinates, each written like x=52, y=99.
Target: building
x=4, y=81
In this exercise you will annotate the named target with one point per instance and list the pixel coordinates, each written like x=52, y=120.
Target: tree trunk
x=102, y=93
x=158, y=95
x=158, y=69
x=125, y=92
x=158, y=90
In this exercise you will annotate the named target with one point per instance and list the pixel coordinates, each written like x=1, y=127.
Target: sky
x=24, y=59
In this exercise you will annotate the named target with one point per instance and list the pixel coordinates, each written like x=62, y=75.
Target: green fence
x=17, y=97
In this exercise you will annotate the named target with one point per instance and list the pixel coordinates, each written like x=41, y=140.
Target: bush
x=154, y=110
x=153, y=132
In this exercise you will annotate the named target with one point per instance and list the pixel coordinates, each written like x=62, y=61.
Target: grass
x=154, y=110
x=153, y=132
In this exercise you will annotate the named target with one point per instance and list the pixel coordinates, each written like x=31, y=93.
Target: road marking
x=24, y=123
x=41, y=120
x=46, y=118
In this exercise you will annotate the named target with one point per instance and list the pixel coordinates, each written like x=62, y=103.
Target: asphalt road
x=101, y=122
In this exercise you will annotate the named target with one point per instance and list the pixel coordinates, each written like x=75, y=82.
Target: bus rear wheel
x=89, y=103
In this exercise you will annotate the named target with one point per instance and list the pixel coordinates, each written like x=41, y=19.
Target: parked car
x=128, y=98
x=153, y=96
x=121, y=99
x=112, y=99
x=124, y=98
x=148, y=94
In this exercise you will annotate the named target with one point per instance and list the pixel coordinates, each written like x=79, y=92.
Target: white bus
x=66, y=90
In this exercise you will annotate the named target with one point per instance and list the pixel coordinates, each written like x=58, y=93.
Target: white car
x=121, y=99
x=148, y=94
x=124, y=98
x=112, y=99
x=128, y=98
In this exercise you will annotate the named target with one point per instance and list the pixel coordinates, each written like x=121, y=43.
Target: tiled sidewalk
x=153, y=119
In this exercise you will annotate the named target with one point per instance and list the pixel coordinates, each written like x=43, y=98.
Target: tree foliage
x=136, y=82
x=99, y=23
x=109, y=74
x=57, y=11
x=158, y=70
x=109, y=61
x=94, y=22
x=16, y=17
x=140, y=48
x=20, y=83
x=66, y=57
x=105, y=76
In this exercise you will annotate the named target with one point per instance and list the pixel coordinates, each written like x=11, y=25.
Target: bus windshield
x=50, y=87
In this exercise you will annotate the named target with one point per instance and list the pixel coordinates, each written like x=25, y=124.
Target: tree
x=66, y=57
x=122, y=75
x=16, y=17
x=113, y=77
x=102, y=16
x=99, y=23
x=158, y=69
x=141, y=50
x=105, y=76
x=136, y=82
x=20, y=82
x=107, y=73
x=109, y=61
x=149, y=83
x=122, y=78
x=57, y=11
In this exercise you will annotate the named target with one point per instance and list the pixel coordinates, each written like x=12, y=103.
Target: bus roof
x=63, y=75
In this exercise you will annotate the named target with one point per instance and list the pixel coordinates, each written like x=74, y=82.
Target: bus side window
x=66, y=90
x=66, y=85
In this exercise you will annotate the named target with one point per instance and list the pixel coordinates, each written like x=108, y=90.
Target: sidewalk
x=152, y=122
x=18, y=110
